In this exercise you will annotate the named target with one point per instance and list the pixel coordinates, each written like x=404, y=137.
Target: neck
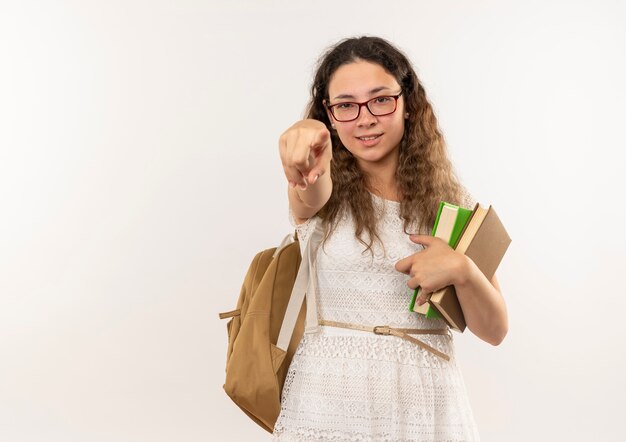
x=381, y=177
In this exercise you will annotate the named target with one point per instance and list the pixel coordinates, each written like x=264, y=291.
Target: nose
x=366, y=118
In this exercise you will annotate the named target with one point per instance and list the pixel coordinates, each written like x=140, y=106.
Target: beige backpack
x=267, y=326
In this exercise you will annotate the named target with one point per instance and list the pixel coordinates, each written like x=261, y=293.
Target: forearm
x=306, y=203
x=482, y=303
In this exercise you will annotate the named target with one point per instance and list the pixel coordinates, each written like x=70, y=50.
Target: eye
x=382, y=100
x=344, y=106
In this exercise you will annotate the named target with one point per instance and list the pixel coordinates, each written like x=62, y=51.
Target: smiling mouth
x=370, y=137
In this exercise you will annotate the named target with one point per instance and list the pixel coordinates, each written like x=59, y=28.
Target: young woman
x=370, y=163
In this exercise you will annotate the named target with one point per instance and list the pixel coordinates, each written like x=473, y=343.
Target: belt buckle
x=382, y=330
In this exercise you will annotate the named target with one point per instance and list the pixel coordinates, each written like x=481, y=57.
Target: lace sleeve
x=467, y=199
x=303, y=230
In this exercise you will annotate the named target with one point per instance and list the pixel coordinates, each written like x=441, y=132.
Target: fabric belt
x=403, y=333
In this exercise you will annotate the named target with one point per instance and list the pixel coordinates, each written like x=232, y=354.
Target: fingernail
x=315, y=179
x=292, y=184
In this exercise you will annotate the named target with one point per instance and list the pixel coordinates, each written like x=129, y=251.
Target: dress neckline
x=380, y=198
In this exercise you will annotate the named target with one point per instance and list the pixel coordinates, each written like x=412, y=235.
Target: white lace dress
x=346, y=385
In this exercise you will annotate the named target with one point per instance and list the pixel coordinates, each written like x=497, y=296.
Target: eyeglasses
x=378, y=106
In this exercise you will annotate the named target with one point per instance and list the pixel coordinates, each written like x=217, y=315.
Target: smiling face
x=372, y=140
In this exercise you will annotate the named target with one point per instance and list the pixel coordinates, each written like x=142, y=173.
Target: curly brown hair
x=424, y=176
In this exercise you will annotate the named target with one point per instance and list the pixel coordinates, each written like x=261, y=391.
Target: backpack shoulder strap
x=305, y=284
x=285, y=242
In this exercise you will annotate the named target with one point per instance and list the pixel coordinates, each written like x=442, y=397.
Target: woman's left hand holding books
x=435, y=267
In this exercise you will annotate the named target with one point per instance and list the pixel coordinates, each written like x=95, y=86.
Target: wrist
x=464, y=268
x=315, y=195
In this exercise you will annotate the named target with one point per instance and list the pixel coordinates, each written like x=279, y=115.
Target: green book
x=449, y=225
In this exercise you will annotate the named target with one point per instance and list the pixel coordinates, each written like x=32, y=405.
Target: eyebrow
x=373, y=91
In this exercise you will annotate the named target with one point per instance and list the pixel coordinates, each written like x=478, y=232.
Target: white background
x=139, y=174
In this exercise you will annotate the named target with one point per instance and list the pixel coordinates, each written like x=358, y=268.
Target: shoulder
x=304, y=227
x=467, y=199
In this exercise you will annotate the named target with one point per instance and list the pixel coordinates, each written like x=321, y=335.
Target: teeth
x=368, y=138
